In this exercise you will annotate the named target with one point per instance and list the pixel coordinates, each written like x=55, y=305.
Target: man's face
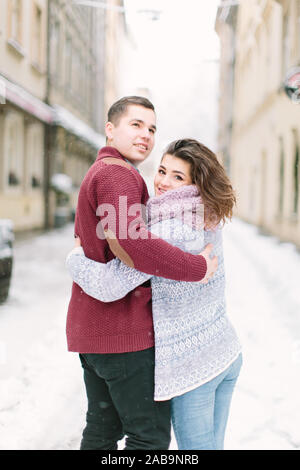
x=133, y=135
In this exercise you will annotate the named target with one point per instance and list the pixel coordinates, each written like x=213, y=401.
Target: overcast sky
x=176, y=60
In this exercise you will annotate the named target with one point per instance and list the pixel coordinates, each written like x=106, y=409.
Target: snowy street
x=42, y=396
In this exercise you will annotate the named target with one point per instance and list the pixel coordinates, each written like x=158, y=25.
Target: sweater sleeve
x=115, y=194
x=103, y=281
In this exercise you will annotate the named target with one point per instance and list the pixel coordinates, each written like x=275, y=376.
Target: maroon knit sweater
x=126, y=324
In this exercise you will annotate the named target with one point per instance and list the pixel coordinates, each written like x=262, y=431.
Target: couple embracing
x=147, y=313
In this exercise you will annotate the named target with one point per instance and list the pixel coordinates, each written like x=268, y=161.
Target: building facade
x=75, y=92
x=58, y=63
x=225, y=27
x=264, y=137
x=23, y=113
x=115, y=35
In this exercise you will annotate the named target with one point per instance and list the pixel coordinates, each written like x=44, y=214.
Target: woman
x=197, y=352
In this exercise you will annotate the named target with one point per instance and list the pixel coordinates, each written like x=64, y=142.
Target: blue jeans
x=199, y=417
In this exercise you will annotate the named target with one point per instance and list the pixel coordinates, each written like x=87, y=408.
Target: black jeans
x=120, y=390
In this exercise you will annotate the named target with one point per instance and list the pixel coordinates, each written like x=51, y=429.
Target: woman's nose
x=165, y=182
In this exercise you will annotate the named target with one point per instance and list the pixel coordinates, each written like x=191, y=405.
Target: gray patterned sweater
x=194, y=339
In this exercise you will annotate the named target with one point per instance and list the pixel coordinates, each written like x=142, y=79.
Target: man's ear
x=109, y=130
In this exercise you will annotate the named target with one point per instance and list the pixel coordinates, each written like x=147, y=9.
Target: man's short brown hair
x=120, y=107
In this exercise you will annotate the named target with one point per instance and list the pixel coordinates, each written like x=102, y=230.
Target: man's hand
x=212, y=263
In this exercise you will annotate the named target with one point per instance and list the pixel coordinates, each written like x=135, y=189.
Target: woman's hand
x=77, y=242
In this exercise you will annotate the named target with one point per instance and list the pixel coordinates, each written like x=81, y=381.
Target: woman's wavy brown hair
x=209, y=176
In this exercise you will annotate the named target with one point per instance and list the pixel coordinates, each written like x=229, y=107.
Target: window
x=68, y=62
x=75, y=71
x=264, y=187
x=55, y=49
x=2, y=92
x=281, y=175
x=296, y=180
x=75, y=169
x=35, y=157
x=15, y=20
x=37, y=35
x=81, y=77
x=298, y=30
x=286, y=45
x=13, y=151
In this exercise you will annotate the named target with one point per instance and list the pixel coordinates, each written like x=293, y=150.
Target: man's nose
x=145, y=133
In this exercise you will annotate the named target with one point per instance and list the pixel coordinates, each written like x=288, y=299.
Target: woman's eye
x=161, y=172
x=178, y=178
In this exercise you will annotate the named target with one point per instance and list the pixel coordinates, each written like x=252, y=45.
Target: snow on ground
x=263, y=302
x=42, y=396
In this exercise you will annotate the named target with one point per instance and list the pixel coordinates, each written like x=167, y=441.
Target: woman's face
x=171, y=174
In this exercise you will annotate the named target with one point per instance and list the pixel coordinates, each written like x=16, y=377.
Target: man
x=115, y=340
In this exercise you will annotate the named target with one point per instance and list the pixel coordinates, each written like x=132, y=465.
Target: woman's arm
x=103, y=281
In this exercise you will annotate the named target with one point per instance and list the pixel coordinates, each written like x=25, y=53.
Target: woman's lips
x=161, y=191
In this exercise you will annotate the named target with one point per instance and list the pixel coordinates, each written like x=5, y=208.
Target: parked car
x=6, y=257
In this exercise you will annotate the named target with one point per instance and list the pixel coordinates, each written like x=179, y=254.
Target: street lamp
x=292, y=85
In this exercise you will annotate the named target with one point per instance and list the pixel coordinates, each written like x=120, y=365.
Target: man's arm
x=110, y=281
x=128, y=236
